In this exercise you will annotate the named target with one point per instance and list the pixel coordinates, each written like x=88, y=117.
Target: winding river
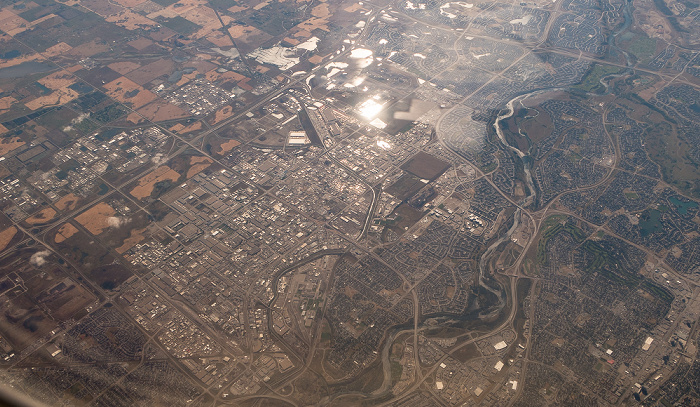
x=529, y=200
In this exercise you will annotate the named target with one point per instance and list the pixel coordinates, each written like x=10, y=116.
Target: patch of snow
x=480, y=55
x=333, y=72
x=278, y=56
x=523, y=20
x=310, y=44
x=341, y=65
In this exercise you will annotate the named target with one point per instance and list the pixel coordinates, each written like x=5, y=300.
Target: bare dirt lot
x=124, y=67
x=226, y=146
x=67, y=203
x=159, y=111
x=56, y=98
x=65, y=232
x=127, y=91
x=43, y=216
x=151, y=71
x=58, y=80
x=146, y=184
x=6, y=237
x=198, y=164
x=95, y=218
x=135, y=236
x=9, y=144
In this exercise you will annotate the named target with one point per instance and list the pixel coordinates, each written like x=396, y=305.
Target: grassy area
x=553, y=220
x=181, y=25
x=670, y=151
x=369, y=380
x=660, y=292
x=643, y=48
x=601, y=257
x=591, y=82
x=466, y=353
x=489, y=168
x=396, y=370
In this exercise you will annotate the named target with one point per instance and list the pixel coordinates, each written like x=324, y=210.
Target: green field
x=396, y=370
x=181, y=25
x=643, y=48
x=670, y=151
x=591, y=82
